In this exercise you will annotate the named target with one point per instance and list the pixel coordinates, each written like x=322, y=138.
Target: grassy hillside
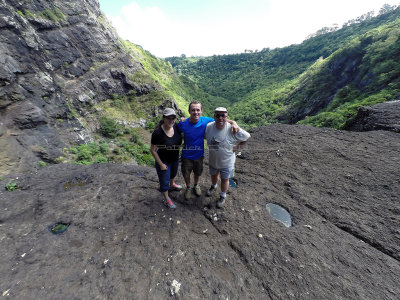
x=330, y=74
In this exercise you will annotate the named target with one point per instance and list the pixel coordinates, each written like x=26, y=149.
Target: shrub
x=60, y=160
x=109, y=128
x=11, y=186
x=101, y=159
x=134, y=138
x=150, y=125
x=104, y=148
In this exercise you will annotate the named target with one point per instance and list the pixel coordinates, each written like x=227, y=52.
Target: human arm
x=242, y=137
x=153, y=150
x=235, y=127
x=239, y=146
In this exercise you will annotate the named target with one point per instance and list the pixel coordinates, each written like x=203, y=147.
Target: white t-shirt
x=220, y=145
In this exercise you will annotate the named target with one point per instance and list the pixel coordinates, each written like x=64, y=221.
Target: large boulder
x=381, y=116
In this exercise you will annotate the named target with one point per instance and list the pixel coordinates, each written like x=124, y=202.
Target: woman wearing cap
x=165, y=143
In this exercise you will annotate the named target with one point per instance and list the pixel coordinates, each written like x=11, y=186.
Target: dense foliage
x=321, y=82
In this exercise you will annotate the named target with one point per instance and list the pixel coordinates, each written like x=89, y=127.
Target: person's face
x=195, y=111
x=220, y=119
x=169, y=120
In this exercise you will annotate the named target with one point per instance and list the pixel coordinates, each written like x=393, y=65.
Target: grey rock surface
x=57, y=60
x=341, y=189
x=382, y=116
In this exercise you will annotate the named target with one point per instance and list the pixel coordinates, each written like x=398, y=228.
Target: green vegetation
x=159, y=72
x=54, y=14
x=110, y=128
x=125, y=146
x=321, y=82
x=59, y=228
x=11, y=186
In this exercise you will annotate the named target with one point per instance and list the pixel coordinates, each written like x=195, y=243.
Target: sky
x=216, y=27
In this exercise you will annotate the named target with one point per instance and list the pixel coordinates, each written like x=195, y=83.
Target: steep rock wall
x=57, y=60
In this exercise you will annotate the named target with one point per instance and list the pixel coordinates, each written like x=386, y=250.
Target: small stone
x=6, y=293
x=178, y=222
x=23, y=255
x=175, y=287
x=260, y=235
x=308, y=226
x=105, y=261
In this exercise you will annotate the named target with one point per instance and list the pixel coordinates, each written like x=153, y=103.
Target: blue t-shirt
x=193, y=146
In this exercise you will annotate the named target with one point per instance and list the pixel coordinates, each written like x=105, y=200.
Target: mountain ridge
x=271, y=83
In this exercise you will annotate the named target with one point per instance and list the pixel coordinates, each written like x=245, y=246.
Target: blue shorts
x=225, y=173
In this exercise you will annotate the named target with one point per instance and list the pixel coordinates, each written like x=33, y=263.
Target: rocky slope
x=382, y=116
x=341, y=189
x=58, y=60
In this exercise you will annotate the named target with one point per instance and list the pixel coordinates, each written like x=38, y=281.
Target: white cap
x=220, y=109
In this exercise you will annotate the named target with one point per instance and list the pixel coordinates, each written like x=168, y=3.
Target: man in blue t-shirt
x=193, y=129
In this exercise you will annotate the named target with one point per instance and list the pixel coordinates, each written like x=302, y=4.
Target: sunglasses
x=217, y=116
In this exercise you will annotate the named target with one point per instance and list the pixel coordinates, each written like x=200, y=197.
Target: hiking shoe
x=221, y=202
x=170, y=204
x=188, y=193
x=210, y=190
x=175, y=187
x=197, y=190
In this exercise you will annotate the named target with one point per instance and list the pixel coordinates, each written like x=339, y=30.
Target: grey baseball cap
x=169, y=112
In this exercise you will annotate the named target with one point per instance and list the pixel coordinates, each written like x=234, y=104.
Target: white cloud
x=284, y=22
x=148, y=27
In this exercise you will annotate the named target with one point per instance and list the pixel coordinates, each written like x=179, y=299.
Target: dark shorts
x=165, y=176
x=189, y=165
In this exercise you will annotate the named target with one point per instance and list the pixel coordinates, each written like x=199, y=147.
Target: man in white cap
x=193, y=129
x=222, y=144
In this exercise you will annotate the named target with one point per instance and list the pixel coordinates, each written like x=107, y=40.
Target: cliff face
x=58, y=59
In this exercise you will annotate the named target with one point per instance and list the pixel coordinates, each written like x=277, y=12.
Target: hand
x=235, y=127
x=163, y=167
x=183, y=119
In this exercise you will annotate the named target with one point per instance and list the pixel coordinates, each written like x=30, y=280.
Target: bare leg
x=165, y=195
x=214, y=178
x=224, y=185
x=187, y=181
x=196, y=179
